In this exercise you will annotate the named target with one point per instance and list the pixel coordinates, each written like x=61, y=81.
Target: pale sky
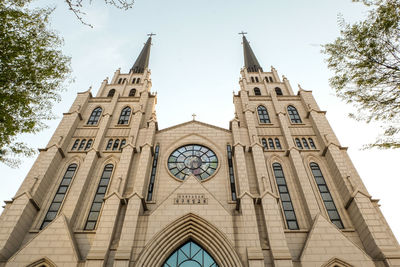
x=195, y=61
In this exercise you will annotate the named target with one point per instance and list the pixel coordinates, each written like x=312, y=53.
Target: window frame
x=294, y=115
x=124, y=119
x=262, y=120
x=94, y=119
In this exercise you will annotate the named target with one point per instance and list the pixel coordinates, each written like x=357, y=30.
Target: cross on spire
x=243, y=33
x=151, y=34
x=194, y=116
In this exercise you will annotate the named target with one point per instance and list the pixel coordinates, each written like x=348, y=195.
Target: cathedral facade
x=275, y=189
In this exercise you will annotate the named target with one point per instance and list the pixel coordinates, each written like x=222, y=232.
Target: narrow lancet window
x=252, y=79
x=138, y=80
x=256, y=79
x=124, y=117
x=123, y=142
x=285, y=197
x=95, y=116
x=75, y=144
x=278, y=143
x=298, y=143
x=263, y=114
x=82, y=145
x=293, y=114
x=305, y=143
x=116, y=144
x=312, y=144
x=231, y=173
x=59, y=197
x=271, y=143
x=133, y=80
x=153, y=174
x=109, y=144
x=89, y=144
x=257, y=91
x=98, y=197
x=326, y=195
x=264, y=143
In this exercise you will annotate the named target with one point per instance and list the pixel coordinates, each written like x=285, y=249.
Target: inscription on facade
x=190, y=199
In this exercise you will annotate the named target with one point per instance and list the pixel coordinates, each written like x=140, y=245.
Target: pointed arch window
x=75, y=145
x=98, y=198
x=305, y=143
x=271, y=143
x=132, y=92
x=278, y=143
x=264, y=143
x=60, y=194
x=138, y=80
x=270, y=79
x=326, y=195
x=124, y=117
x=116, y=144
x=293, y=114
x=109, y=144
x=263, y=114
x=278, y=91
x=252, y=79
x=89, y=144
x=312, y=144
x=153, y=173
x=95, y=116
x=298, y=143
x=257, y=91
x=123, y=142
x=82, y=145
x=111, y=93
x=120, y=81
x=231, y=173
x=256, y=79
x=133, y=80
x=190, y=254
x=286, y=201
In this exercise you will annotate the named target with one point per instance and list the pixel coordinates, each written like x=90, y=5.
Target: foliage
x=76, y=7
x=32, y=72
x=366, y=64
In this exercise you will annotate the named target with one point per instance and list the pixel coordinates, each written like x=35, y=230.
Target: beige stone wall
x=251, y=231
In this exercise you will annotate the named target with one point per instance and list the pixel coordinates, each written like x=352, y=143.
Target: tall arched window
x=95, y=116
x=89, y=144
x=138, y=80
x=132, y=92
x=98, y=197
x=278, y=143
x=256, y=79
x=257, y=91
x=326, y=195
x=312, y=144
x=270, y=79
x=116, y=144
x=133, y=80
x=252, y=79
x=75, y=145
x=190, y=254
x=305, y=143
x=123, y=142
x=266, y=79
x=82, y=145
x=111, y=93
x=263, y=114
x=293, y=114
x=60, y=194
x=298, y=143
x=124, y=117
x=109, y=144
x=271, y=143
x=285, y=197
x=264, y=143
x=278, y=91
x=153, y=174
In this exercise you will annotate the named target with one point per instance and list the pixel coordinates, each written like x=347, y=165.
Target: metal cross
x=194, y=116
x=151, y=34
x=243, y=33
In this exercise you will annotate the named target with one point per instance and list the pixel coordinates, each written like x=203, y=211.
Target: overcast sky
x=195, y=61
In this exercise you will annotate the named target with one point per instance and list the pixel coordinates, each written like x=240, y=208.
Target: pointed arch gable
x=189, y=227
x=42, y=262
x=336, y=262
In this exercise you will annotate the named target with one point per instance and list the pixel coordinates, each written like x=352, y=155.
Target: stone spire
x=250, y=60
x=142, y=62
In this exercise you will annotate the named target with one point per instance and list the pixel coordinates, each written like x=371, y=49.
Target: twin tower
x=275, y=189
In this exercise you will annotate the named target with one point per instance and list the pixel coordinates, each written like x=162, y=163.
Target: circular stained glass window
x=192, y=159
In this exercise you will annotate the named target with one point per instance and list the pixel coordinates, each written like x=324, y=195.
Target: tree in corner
x=32, y=72
x=366, y=64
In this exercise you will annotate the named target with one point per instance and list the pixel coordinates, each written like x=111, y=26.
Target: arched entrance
x=190, y=254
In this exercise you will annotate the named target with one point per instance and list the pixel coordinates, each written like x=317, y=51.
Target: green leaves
x=32, y=72
x=366, y=64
